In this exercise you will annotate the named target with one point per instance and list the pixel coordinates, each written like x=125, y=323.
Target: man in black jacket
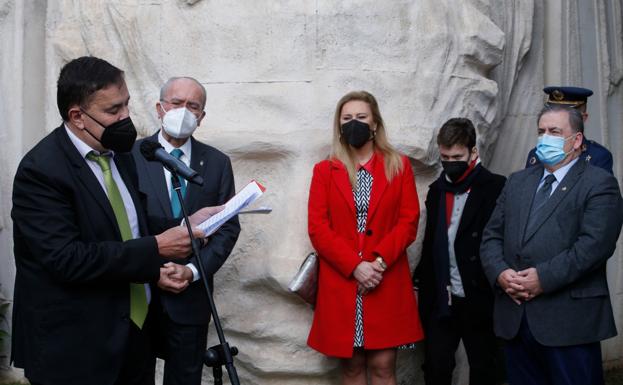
x=455, y=298
x=82, y=250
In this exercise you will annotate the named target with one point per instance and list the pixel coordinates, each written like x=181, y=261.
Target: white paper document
x=245, y=197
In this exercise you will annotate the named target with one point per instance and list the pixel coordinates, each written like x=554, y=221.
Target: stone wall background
x=273, y=72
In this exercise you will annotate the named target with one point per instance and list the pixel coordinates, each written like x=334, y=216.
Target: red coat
x=390, y=311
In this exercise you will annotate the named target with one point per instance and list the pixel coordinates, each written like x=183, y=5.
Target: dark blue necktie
x=539, y=200
x=542, y=194
x=176, y=207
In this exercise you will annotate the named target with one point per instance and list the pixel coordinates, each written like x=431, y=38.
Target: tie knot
x=102, y=160
x=549, y=180
x=177, y=153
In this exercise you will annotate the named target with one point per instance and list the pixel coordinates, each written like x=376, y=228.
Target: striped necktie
x=539, y=200
x=138, y=297
x=176, y=207
x=542, y=194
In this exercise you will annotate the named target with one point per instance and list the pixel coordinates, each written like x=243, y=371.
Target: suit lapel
x=155, y=175
x=562, y=190
x=470, y=211
x=86, y=176
x=526, y=194
x=340, y=178
x=198, y=164
x=124, y=164
x=378, y=185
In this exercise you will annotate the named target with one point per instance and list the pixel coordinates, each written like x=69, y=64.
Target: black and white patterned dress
x=362, y=202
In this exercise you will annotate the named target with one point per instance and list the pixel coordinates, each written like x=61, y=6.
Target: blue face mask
x=550, y=149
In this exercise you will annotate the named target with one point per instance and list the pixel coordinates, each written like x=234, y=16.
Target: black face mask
x=454, y=169
x=118, y=137
x=356, y=133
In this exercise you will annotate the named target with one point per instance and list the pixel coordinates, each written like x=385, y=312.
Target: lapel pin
x=564, y=188
x=201, y=163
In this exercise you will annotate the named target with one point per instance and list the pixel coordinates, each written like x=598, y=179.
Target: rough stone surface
x=273, y=73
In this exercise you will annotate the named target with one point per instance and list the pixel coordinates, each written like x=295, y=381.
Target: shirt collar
x=561, y=172
x=186, y=147
x=369, y=165
x=83, y=148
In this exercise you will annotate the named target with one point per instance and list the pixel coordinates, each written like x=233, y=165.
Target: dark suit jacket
x=575, y=234
x=478, y=208
x=191, y=306
x=72, y=304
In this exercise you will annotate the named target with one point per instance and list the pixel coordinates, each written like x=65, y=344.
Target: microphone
x=154, y=152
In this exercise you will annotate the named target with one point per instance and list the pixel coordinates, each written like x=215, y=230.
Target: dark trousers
x=442, y=340
x=139, y=360
x=530, y=363
x=182, y=347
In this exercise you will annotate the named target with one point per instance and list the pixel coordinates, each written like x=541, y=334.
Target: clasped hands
x=368, y=275
x=174, y=243
x=521, y=286
x=175, y=277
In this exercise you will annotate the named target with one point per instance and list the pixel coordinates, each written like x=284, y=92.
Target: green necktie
x=138, y=297
x=176, y=206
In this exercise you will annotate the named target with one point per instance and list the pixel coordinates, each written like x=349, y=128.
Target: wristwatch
x=381, y=262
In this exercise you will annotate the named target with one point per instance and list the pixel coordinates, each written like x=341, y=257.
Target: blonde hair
x=341, y=151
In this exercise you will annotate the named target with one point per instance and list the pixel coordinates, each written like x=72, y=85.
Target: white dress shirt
x=558, y=174
x=168, y=147
x=187, y=150
x=84, y=149
x=456, y=284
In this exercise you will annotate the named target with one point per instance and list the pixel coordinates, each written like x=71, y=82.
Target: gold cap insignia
x=558, y=96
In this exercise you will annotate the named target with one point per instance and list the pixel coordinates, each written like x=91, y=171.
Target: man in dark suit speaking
x=81, y=251
x=545, y=250
x=184, y=317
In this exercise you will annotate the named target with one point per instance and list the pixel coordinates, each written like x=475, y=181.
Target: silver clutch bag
x=305, y=282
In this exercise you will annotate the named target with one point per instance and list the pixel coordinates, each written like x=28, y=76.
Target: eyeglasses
x=194, y=107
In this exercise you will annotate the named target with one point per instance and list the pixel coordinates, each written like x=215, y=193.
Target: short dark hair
x=459, y=131
x=575, y=116
x=81, y=78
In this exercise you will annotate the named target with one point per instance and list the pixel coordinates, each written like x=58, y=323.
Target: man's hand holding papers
x=249, y=194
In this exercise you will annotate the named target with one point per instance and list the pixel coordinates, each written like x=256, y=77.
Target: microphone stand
x=221, y=354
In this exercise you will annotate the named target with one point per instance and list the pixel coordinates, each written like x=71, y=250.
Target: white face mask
x=180, y=123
